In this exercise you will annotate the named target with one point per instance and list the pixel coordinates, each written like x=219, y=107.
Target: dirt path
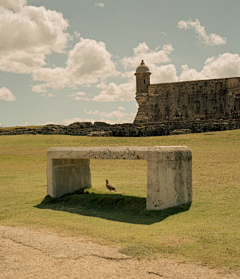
x=26, y=253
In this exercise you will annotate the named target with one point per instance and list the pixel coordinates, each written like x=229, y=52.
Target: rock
x=100, y=124
x=127, y=129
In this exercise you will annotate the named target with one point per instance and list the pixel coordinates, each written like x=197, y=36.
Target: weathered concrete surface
x=169, y=181
x=67, y=176
x=169, y=178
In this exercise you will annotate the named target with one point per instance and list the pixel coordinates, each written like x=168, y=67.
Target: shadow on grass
x=114, y=207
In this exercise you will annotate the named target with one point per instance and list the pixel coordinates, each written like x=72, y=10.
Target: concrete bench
x=169, y=171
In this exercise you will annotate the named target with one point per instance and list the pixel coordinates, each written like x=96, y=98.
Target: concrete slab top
x=119, y=152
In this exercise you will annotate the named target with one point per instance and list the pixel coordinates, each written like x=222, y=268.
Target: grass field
x=207, y=232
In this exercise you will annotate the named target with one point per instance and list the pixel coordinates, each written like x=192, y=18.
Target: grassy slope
x=208, y=232
x=21, y=127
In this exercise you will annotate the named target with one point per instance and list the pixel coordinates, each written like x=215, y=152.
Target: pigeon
x=110, y=187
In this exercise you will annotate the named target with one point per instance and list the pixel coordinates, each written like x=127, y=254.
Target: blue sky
x=67, y=61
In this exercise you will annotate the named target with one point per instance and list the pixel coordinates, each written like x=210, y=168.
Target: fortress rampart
x=205, y=100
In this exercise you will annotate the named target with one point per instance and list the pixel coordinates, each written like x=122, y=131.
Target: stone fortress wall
x=197, y=100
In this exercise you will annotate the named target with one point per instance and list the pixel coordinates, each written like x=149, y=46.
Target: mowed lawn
x=207, y=232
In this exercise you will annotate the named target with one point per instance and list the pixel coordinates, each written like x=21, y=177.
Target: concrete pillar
x=67, y=176
x=169, y=178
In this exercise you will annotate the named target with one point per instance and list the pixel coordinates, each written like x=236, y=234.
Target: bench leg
x=169, y=179
x=67, y=176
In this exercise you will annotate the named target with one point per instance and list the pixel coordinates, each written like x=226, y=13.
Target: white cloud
x=76, y=34
x=209, y=40
x=79, y=96
x=76, y=119
x=225, y=65
x=90, y=59
x=129, y=75
x=121, y=108
x=87, y=62
x=49, y=95
x=28, y=35
x=120, y=115
x=150, y=57
x=72, y=120
x=114, y=92
x=16, y=5
x=48, y=123
x=56, y=78
x=6, y=95
x=101, y=5
x=190, y=74
x=39, y=88
x=102, y=84
x=164, y=73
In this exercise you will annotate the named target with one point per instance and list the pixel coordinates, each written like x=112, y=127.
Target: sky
x=74, y=61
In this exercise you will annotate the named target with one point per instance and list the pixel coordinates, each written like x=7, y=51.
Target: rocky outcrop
x=126, y=129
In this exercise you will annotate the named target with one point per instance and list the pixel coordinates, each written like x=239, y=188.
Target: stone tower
x=142, y=82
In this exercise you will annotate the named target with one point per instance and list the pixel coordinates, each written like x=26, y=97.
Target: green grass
x=207, y=231
x=21, y=127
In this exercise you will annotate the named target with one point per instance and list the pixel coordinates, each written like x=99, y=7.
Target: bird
x=110, y=187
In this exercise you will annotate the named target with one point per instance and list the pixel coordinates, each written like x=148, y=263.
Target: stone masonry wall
x=210, y=99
